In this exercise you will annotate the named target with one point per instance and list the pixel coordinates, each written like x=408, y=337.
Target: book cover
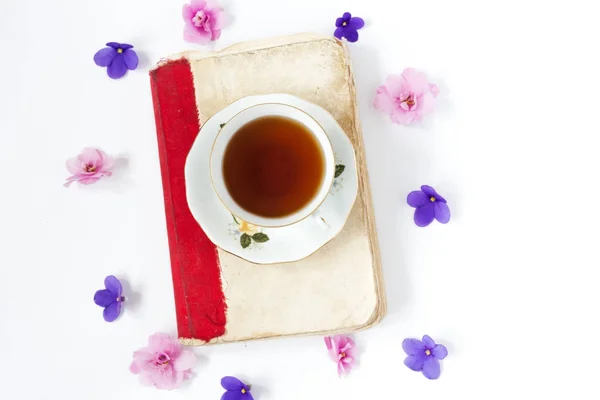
x=220, y=297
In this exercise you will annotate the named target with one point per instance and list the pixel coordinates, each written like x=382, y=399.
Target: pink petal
x=72, y=178
x=134, y=368
x=351, y=352
x=146, y=379
x=405, y=106
x=107, y=163
x=328, y=342
x=143, y=355
x=158, y=341
x=344, y=369
x=396, y=86
x=143, y=360
x=162, y=342
x=199, y=4
x=167, y=378
x=179, y=377
x=217, y=21
x=416, y=80
x=333, y=355
x=91, y=156
x=340, y=341
x=335, y=340
x=383, y=101
x=402, y=117
x=346, y=344
x=216, y=34
x=88, y=180
x=74, y=165
x=426, y=104
x=341, y=370
x=347, y=360
x=187, y=12
x=193, y=35
x=185, y=361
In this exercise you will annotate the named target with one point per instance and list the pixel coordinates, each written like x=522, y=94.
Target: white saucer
x=270, y=245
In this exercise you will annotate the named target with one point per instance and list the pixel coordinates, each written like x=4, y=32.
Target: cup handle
x=321, y=221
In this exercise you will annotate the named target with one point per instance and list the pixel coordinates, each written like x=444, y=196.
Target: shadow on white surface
x=144, y=62
x=258, y=391
x=133, y=299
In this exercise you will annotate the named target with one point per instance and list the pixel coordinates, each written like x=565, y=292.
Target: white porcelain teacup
x=224, y=137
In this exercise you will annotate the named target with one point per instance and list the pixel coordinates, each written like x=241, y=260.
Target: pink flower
x=407, y=97
x=89, y=166
x=164, y=364
x=203, y=21
x=341, y=351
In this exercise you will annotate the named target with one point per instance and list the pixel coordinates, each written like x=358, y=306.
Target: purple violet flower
x=118, y=57
x=235, y=389
x=429, y=205
x=110, y=298
x=424, y=356
x=347, y=27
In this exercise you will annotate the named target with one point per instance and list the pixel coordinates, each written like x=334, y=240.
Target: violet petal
x=347, y=16
x=117, y=68
x=233, y=395
x=413, y=347
x=104, y=298
x=431, y=368
x=112, y=311
x=131, y=59
x=439, y=351
x=339, y=22
x=417, y=199
x=356, y=23
x=429, y=191
x=441, y=211
x=428, y=342
x=114, y=45
x=415, y=362
x=339, y=33
x=232, y=383
x=113, y=285
x=424, y=215
x=439, y=198
x=351, y=36
x=125, y=46
x=104, y=57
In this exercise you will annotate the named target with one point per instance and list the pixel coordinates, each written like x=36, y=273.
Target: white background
x=510, y=285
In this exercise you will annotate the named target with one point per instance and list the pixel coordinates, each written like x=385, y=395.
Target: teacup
x=229, y=137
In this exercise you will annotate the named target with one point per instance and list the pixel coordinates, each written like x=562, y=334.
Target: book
x=219, y=297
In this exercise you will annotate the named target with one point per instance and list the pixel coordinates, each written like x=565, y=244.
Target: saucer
x=270, y=245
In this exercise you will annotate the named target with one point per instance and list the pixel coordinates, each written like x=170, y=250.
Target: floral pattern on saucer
x=249, y=235
x=337, y=181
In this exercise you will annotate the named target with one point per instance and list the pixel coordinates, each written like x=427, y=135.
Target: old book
x=220, y=297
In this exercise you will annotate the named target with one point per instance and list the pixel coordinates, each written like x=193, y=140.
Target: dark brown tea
x=273, y=166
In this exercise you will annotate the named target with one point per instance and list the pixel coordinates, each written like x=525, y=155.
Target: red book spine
x=199, y=298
